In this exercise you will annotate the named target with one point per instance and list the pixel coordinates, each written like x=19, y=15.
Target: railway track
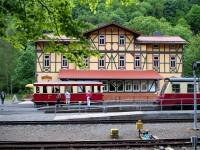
x=6, y=145
x=97, y=121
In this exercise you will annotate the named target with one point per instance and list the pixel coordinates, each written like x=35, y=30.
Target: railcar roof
x=181, y=79
x=68, y=83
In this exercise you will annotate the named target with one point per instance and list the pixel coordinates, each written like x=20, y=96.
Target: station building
x=131, y=66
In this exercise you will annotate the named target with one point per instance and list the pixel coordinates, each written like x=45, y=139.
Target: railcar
x=47, y=92
x=179, y=91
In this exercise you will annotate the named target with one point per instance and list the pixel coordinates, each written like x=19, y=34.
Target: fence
x=133, y=105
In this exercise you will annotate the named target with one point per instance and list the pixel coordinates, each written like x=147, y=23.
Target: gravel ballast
x=73, y=132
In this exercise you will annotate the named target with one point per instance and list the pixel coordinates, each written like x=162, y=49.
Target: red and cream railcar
x=177, y=91
x=47, y=92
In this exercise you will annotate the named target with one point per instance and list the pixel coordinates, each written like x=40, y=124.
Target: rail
x=94, y=144
x=100, y=121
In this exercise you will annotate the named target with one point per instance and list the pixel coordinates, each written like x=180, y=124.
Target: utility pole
x=195, y=65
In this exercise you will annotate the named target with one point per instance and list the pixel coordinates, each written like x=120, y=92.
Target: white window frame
x=102, y=39
x=173, y=62
x=111, y=81
x=137, y=61
x=158, y=61
x=105, y=85
x=102, y=61
x=65, y=63
x=128, y=83
x=121, y=82
x=122, y=40
x=122, y=61
x=46, y=61
x=144, y=82
x=137, y=83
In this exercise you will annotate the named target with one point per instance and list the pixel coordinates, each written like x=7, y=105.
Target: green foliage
x=8, y=58
x=192, y=53
x=193, y=18
x=149, y=25
x=24, y=72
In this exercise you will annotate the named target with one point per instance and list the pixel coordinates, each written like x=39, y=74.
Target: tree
x=8, y=56
x=149, y=25
x=193, y=18
x=24, y=72
x=191, y=54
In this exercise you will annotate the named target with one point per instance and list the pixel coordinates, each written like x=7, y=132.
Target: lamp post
x=195, y=65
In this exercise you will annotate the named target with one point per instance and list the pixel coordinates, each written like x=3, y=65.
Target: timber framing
x=133, y=45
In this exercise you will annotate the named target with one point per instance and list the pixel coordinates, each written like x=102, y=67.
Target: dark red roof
x=111, y=24
x=108, y=74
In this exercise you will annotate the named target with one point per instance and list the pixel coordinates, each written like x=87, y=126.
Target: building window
x=102, y=62
x=105, y=86
x=172, y=62
x=65, y=63
x=172, y=46
x=120, y=86
x=143, y=85
x=151, y=86
x=46, y=61
x=156, y=62
x=190, y=88
x=128, y=86
x=86, y=62
x=121, y=61
x=136, y=86
x=137, y=46
x=122, y=40
x=137, y=61
x=156, y=46
x=102, y=39
x=112, y=86
x=175, y=88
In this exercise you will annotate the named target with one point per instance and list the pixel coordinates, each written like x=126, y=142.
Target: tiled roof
x=108, y=74
x=160, y=39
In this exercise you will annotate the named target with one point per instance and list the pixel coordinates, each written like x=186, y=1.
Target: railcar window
x=44, y=89
x=99, y=89
x=81, y=89
x=190, y=88
x=69, y=89
x=37, y=89
x=92, y=89
x=56, y=89
x=176, y=88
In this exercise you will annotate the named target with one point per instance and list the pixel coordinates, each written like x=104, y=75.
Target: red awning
x=108, y=74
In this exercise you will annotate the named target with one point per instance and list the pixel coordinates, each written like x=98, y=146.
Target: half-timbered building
x=130, y=65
